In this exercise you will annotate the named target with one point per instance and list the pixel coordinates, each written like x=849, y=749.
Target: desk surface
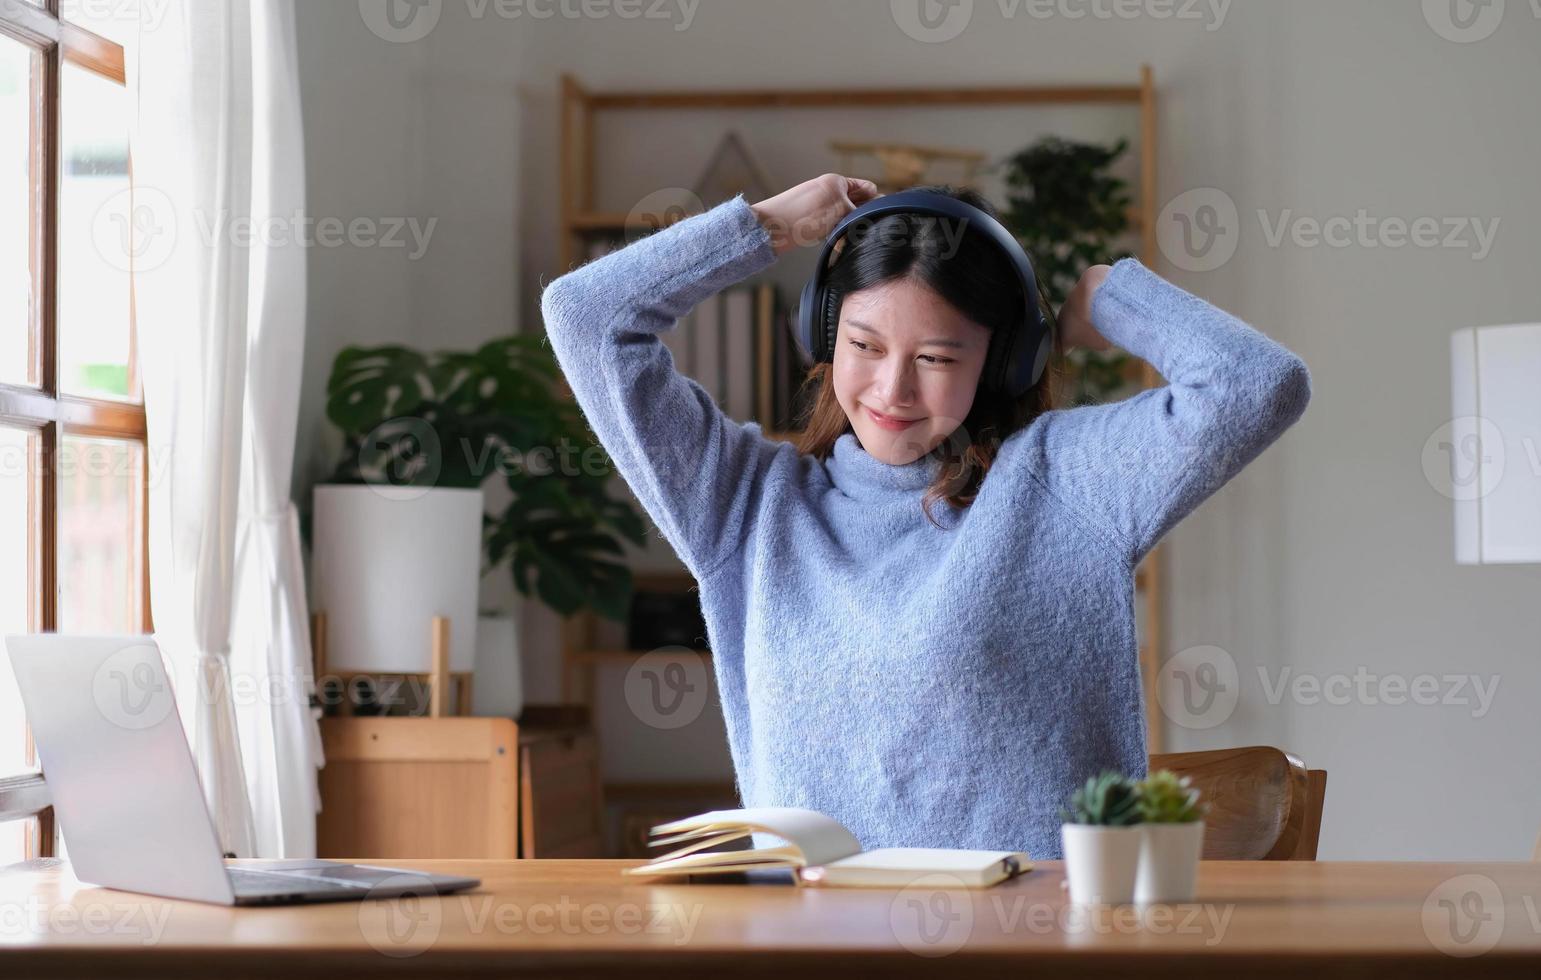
x=581, y=917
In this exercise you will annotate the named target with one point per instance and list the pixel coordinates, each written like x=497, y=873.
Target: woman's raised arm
x=1139, y=466
x=698, y=473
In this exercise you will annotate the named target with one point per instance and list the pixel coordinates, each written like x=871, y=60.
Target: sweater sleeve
x=1135, y=468
x=695, y=471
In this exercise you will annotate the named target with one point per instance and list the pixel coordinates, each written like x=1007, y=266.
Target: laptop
x=127, y=795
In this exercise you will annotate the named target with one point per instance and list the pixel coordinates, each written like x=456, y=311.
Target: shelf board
x=846, y=98
x=591, y=222
x=641, y=791
x=599, y=221
x=625, y=656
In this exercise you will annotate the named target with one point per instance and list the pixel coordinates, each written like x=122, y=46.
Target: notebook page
x=818, y=838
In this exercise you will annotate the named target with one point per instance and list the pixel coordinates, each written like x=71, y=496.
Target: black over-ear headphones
x=1016, y=357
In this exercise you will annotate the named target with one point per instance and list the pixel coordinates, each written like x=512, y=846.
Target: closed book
x=738, y=344
x=764, y=355
x=708, y=346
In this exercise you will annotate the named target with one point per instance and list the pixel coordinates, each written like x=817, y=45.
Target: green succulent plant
x=1165, y=797
x=1109, y=799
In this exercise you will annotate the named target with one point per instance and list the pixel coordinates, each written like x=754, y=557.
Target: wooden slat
x=831, y=98
x=52, y=172
x=1150, y=578
x=572, y=101
x=409, y=739
x=92, y=52
x=82, y=416
x=38, y=139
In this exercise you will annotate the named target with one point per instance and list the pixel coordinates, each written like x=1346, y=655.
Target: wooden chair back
x=1264, y=804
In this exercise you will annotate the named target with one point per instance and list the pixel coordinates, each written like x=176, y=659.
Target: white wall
x=1331, y=554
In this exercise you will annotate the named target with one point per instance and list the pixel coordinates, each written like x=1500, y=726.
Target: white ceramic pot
x=1169, y=861
x=1101, y=862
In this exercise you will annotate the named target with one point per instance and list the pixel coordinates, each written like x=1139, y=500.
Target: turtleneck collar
x=860, y=475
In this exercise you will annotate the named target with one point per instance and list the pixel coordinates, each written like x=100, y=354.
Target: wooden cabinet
x=418, y=788
x=461, y=787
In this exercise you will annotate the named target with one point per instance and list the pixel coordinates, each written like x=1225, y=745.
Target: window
x=73, y=462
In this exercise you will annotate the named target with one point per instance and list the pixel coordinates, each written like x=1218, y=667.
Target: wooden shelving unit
x=581, y=221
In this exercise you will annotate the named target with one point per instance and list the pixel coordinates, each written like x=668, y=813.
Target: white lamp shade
x=387, y=560
x=1495, y=444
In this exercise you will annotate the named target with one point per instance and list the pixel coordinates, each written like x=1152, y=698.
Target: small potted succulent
x=1172, y=828
x=1101, y=839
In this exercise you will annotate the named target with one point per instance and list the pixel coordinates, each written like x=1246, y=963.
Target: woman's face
x=903, y=352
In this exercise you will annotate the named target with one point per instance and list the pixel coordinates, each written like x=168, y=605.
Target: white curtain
x=220, y=301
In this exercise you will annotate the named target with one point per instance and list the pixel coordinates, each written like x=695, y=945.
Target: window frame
x=44, y=411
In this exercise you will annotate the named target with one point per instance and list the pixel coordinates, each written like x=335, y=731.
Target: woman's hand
x=1075, y=317
x=807, y=213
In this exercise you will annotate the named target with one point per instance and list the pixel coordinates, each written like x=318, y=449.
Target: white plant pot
x=499, y=688
x=1101, y=862
x=1169, y=861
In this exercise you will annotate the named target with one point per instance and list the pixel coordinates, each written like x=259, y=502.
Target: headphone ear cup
x=1041, y=359
x=829, y=324
x=808, y=315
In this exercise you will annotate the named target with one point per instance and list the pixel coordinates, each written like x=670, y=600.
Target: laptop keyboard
x=250, y=883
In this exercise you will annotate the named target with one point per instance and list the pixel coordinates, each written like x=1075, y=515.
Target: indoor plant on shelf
x=1069, y=210
x=1172, y=825
x=1101, y=839
x=416, y=423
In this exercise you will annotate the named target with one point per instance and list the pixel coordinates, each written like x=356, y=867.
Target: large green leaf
x=370, y=385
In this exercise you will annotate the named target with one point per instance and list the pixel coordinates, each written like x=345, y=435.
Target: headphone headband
x=1017, y=355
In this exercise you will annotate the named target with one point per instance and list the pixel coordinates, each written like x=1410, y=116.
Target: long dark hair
x=976, y=280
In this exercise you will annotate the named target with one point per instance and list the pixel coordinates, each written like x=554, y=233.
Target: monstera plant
x=459, y=419
x=1068, y=210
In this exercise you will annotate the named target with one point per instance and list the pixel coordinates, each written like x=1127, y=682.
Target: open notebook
x=819, y=851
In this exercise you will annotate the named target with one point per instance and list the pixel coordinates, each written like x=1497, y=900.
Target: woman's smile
x=889, y=422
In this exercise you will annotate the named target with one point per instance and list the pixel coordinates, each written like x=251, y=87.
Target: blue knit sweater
x=925, y=687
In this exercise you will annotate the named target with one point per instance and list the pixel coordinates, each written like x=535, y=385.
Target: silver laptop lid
x=116, y=759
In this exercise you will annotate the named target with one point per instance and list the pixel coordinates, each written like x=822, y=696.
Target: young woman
x=922, y=615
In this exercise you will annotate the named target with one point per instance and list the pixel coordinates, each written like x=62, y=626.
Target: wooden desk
x=579, y=918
